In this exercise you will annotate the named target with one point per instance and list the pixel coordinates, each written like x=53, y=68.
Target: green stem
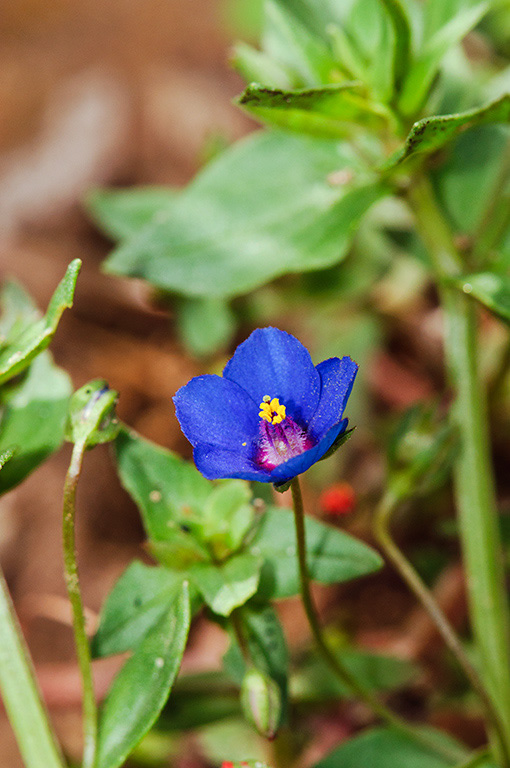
x=331, y=659
x=74, y=593
x=20, y=693
x=473, y=474
x=382, y=523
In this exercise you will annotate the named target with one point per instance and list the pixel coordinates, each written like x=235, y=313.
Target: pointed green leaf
x=332, y=555
x=227, y=585
x=166, y=489
x=141, y=688
x=25, y=340
x=120, y=213
x=327, y=112
x=491, y=290
x=136, y=603
x=428, y=60
x=402, y=37
x=432, y=133
x=387, y=748
x=33, y=414
x=265, y=207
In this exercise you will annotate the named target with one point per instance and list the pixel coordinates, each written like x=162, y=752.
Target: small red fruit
x=338, y=499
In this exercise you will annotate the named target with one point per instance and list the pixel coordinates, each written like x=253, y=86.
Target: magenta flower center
x=280, y=438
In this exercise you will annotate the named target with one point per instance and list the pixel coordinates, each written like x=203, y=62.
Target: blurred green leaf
x=33, y=411
x=265, y=207
x=199, y=699
x=227, y=585
x=120, y=213
x=136, y=603
x=465, y=182
x=332, y=555
x=141, y=688
x=205, y=325
x=24, y=336
x=295, y=45
x=373, y=671
x=330, y=111
x=491, y=290
x=257, y=66
x=397, y=14
x=386, y=748
x=431, y=133
x=457, y=22
x=166, y=489
x=227, y=516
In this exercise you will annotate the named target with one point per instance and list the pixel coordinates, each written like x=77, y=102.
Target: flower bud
x=261, y=702
x=91, y=416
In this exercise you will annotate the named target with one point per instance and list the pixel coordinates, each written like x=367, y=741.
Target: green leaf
x=25, y=337
x=205, y=325
x=331, y=111
x=265, y=207
x=402, y=37
x=166, y=489
x=136, y=603
x=199, y=699
x=227, y=517
x=227, y=585
x=386, y=748
x=428, y=60
x=466, y=181
x=491, y=290
x=141, y=688
x=121, y=213
x=373, y=671
x=33, y=413
x=432, y=133
x=291, y=43
x=332, y=555
x=257, y=66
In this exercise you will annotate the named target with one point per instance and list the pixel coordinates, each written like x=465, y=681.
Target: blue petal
x=214, y=410
x=304, y=461
x=337, y=378
x=272, y=362
x=215, y=462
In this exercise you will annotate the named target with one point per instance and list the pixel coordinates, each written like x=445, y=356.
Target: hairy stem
x=330, y=658
x=20, y=693
x=473, y=474
x=74, y=593
x=382, y=523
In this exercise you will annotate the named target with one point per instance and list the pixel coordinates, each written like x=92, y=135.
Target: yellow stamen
x=271, y=410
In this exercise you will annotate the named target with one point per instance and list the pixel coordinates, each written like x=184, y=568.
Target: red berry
x=338, y=499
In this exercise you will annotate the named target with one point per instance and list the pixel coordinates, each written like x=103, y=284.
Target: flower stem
x=20, y=693
x=382, y=523
x=473, y=474
x=74, y=593
x=331, y=659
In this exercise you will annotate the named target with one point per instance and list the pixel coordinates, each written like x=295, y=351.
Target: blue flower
x=271, y=415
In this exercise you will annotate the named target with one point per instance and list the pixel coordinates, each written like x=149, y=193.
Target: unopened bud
x=261, y=701
x=91, y=417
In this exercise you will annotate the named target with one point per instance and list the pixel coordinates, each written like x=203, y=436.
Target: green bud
x=261, y=701
x=420, y=452
x=91, y=417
